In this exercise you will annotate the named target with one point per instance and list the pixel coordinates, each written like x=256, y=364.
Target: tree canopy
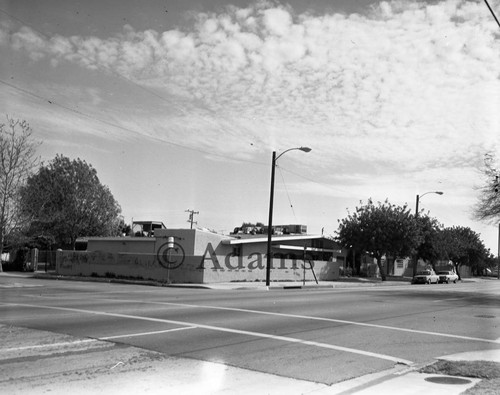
x=66, y=200
x=17, y=161
x=462, y=246
x=487, y=207
x=379, y=229
x=428, y=247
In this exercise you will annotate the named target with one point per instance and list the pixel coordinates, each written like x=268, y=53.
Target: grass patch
x=475, y=369
x=488, y=372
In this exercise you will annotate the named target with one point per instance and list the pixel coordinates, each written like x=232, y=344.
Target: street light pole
x=416, y=216
x=271, y=202
x=270, y=223
x=498, y=254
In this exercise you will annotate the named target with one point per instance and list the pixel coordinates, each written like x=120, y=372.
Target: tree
x=257, y=228
x=382, y=229
x=428, y=242
x=17, y=161
x=462, y=246
x=488, y=206
x=66, y=200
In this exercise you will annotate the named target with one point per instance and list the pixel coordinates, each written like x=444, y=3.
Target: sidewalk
x=343, y=282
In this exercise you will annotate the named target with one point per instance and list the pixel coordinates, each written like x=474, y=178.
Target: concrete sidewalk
x=292, y=285
x=236, y=285
x=351, y=282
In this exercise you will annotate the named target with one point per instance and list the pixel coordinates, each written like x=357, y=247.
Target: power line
x=316, y=182
x=492, y=13
x=100, y=66
x=133, y=131
x=181, y=146
x=287, y=194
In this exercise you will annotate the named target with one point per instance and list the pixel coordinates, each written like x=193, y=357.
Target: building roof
x=308, y=249
x=252, y=239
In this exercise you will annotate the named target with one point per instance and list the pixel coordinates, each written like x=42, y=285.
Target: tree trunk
x=381, y=268
x=457, y=267
x=1, y=250
x=433, y=264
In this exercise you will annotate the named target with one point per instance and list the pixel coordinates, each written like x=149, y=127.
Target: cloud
x=410, y=83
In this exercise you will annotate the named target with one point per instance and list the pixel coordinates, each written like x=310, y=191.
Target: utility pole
x=498, y=250
x=191, y=216
x=496, y=183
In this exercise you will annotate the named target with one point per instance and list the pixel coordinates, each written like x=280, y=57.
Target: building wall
x=191, y=257
x=143, y=245
x=195, y=269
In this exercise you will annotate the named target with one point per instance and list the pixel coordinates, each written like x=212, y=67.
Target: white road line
x=86, y=341
x=221, y=329
x=20, y=285
x=307, y=317
x=447, y=300
x=51, y=345
x=146, y=333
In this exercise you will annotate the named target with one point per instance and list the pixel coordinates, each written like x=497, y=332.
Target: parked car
x=447, y=276
x=426, y=277
x=492, y=272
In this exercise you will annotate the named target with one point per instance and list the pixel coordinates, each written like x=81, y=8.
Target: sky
x=179, y=104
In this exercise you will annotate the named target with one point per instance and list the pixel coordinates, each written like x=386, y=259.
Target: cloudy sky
x=179, y=104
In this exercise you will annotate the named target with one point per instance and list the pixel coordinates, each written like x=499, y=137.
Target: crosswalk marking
x=19, y=285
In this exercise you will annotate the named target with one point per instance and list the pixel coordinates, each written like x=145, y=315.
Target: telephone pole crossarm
x=191, y=217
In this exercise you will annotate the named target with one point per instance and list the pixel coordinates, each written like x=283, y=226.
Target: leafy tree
x=66, y=200
x=249, y=224
x=381, y=229
x=258, y=227
x=428, y=243
x=123, y=228
x=462, y=246
x=488, y=205
x=17, y=161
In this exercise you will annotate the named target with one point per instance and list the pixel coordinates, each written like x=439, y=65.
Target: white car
x=447, y=276
x=426, y=277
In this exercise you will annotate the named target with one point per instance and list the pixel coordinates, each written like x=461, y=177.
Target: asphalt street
x=318, y=335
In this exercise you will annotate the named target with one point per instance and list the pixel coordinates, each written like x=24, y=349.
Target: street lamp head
x=305, y=149
x=426, y=193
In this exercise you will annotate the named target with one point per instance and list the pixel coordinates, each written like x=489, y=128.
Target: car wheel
x=454, y=281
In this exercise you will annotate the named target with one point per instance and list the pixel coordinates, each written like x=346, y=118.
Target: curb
x=219, y=286
x=240, y=286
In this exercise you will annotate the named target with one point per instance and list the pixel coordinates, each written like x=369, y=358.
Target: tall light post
x=498, y=254
x=271, y=202
x=416, y=216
